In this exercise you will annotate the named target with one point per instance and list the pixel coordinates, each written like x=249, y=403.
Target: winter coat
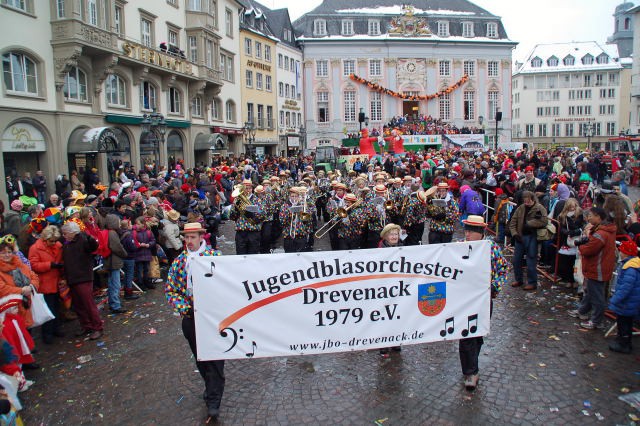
x=527, y=222
x=626, y=300
x=143, y=254
x=114, y=261
x=78, y=259
x=471, y=203
x=8, y=285
x=126, y=239
x=599, y=253
x=41, y=255
x=171, y=232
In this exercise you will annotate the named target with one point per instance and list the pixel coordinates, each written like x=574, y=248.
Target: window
x=173, y=37
x=286, y=90
x=555, y=129
x=569, y=60
x=115, y=92
x=323, y=107
x=146, y=37
x=611, y=109
x=286, y=63
x=587, y=94
x=467, y=29
x=293, y=91
x=613, y=79
x=348, y=67
x=375, y=67
x=587, y=59
x=492, y=68
x=147, y=96
x=267, y=83
x=552, y=61
x=445, y=106
x=611, y=129
x=259, y=81
x=269, y=117
x=587, y=80
x=60, y=8
x=260, y=116
x=443, y=29
x=536, y=62
x=492, y=99
x=469, y=68
x=599, y=79
x=349, y=97
x=281, y=118
x=249, y=78
x=287, y=34
x=281, y=89
x=208, y=52
x=258, y=50
x=231, y=111
x=540, y=111
x=75, y=85
x=287, y=119
x=611, y=93
x=568, y=129
x=374, y=27
x=174, y=101
x=542, y=130
x=17, y=4
x=492, y=30
x=445, y=69
x=250, y=112
x=228, y=22
x=196, y=107
x=279, y=60
x=322, y=68
x=347, y=27
x=215, y=109
x=469, y=105
x=267, y=53
x=195, y=5
x=247, y=46
x=230, y=73
x=528, y=130
x=118, y=16
x=603, y=58
x=92, y=12
x=319, y=27
x=20, y=73
x=193, y=49
x=292, y=66
x=572, y=110
x=375, y=111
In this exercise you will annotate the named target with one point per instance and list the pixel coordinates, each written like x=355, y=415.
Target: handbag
x=40, y=312
x=154, y=268
x=546, y=233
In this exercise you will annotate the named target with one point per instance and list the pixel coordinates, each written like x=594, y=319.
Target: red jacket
x=40, y=257
x=599, y=253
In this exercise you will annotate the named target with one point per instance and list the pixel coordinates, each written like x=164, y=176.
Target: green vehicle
x=327, y=159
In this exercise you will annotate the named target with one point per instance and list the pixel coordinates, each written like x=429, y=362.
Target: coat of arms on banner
x=432, y=297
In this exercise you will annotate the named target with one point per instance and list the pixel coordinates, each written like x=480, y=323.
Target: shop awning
x=98, y=139
x=211, y=141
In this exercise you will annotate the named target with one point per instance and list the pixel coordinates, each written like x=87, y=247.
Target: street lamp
x=588, y=128
x=249, y=132
x=362, y=118
x=154, y=123
x=303, y=137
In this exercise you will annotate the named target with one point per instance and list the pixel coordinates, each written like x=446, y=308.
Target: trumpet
x=304, y=215
x=341, y=213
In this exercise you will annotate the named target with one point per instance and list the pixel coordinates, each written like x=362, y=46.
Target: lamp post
x=249, y=132
x=362, y=118
x=155, y=124
x=588, y=128
x=303, y=138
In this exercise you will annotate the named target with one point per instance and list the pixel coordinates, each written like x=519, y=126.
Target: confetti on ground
x=553, y=409
x=180, y=399
x=601, y=355
x=599, y=416
x=554, y=337
x=542, y=364
x=153, y=331
x=585, y=412
x=573, y=373
x=587, y=404
x=625, y=390
x=532, y=376
x=380, y=421
x=592, y=365
x=633, y=417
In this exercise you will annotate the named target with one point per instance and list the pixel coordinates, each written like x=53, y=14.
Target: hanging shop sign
x=154, y=57
x=23, y=137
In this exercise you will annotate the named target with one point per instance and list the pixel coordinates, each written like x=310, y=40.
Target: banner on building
x=289, y=304
x=465, y=142
x=426, y=140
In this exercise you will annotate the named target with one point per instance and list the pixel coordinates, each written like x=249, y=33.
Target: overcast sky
x=528, y=22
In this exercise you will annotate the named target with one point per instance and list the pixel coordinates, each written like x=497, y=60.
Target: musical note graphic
x=466, y=256
x=471, y=328
x=450, y=329
x=234, y=334
x=210, y=273
x=253, y=350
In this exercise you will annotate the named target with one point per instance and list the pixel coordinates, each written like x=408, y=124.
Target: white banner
x=426, y=140
x=335, y=301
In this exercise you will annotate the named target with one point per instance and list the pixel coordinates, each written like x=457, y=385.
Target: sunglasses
x=9, y=239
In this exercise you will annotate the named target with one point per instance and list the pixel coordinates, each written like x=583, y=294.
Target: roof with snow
x=573, y=56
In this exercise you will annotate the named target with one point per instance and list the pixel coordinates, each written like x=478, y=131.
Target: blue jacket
x=626, y=299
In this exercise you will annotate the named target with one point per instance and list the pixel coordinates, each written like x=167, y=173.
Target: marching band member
x=295, y=230
x=351, y=228
x=336, y=201
x=308, y=196
x=414, y=216
x=248, y=224
x=267, y=225
x=443, y=215
x=407, y=181
x=324, y=187
x=376, y=215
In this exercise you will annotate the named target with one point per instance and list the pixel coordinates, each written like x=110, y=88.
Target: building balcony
x=201, y=19
x=78, y=32
x=210, y=75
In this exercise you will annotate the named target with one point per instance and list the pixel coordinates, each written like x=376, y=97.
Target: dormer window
x=603, y=58
x=347, y=27
x=536, y=62
x=492, y=30
x=443, y=28
x=552, y=61
x=320, y=27
x=569, y=60
x=467, y=29
x=374, y=27
x=587, y=59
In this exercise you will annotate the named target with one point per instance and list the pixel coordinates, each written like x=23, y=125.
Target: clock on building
x=411, y=67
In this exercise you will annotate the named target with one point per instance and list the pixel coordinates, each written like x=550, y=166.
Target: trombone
x=341, y=213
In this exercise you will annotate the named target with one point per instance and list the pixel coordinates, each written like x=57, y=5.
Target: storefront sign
x=226, y=130
x=293, y=141
x=23, y=137
x=268, y=305
x=154, y=57
x=258, y=65
x=291, y=104
x=576, y=119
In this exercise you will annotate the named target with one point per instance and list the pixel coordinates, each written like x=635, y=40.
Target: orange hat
x=350, y=197
x=340, y=186
x=380, y=188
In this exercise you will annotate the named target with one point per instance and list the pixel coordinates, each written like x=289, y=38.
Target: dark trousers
x=212, y=372
x=266, y=237
x=439, y=237
x=414, y=234
x=594, y=300
x=50, y=327
x=333, y=238
x=295, y=245
x=85, y=306
x=247, y=242
x=469, y=350
x=625, y=330
x=373, y=238
x=349, y=243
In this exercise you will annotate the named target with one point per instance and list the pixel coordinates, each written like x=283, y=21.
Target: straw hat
x=474, y=220
x=350, y=197
x=173, y=215
x=380, y=188
x=193, y=227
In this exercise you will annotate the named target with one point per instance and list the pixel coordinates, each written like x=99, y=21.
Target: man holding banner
x=179, y=294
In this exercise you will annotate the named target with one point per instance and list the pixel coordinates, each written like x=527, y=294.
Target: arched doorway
x=175, y=148
x=23, y=148
x=105, y=148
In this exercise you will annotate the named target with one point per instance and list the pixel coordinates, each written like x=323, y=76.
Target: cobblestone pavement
x=537, y=367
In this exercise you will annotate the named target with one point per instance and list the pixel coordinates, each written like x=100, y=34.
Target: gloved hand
x=55, y=265
x=581, y=241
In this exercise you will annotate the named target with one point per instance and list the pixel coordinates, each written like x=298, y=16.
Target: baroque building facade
x=414, y=51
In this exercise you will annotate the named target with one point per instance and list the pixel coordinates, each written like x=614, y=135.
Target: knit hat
x=16, y=205
x=628, y=248
x=464, y=188
x=563, y=191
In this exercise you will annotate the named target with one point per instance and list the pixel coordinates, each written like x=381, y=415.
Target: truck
x=326, y=158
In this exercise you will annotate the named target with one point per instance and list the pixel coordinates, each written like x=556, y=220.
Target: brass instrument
x=304, y=215
x=241, y=200
x=341, y=213
x=389, y=205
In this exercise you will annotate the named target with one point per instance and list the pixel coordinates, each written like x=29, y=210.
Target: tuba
x=241, y=200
